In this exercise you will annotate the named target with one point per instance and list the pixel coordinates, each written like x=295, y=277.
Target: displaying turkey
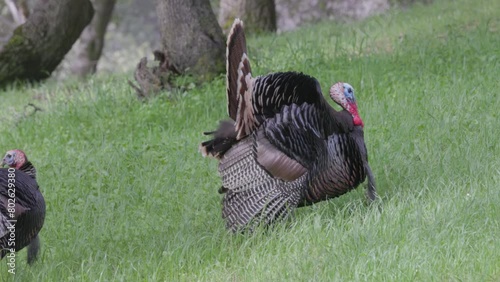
x=285, y=146
x=22, y=206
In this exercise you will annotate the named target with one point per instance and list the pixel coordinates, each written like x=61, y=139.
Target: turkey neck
x=336, y=122
x=29, y=169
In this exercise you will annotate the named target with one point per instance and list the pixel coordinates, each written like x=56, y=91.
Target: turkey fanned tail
x=236, y=53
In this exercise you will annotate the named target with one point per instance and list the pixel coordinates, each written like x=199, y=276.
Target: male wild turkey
x=285, y=146
x=29, y=205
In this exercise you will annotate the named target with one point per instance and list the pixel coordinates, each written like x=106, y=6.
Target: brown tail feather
x=236, y=50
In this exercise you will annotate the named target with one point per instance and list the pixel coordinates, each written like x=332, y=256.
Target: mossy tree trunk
x=92, y=39
x=192, y=40
x=38, y=46
x=259, y=16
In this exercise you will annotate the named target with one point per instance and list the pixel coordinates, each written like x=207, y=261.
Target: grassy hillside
x=129, y=198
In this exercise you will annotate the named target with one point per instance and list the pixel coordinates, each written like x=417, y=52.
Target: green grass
x=130, y=198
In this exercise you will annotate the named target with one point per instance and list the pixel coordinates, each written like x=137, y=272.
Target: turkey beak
x=3, y=163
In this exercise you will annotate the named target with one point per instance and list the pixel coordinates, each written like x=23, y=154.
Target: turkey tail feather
x=245, y=116
x=235, y=52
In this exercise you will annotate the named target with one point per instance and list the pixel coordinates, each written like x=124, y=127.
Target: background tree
x=92, y=39
x=192, y=40
x=38, y=46
x=258, y=15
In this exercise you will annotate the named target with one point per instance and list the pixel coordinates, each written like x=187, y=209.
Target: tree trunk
x=92, y=39
x=192, y=40
x=38, y=46
x=259, y=16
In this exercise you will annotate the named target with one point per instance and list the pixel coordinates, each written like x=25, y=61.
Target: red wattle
x=353, y=109
x=357, y=121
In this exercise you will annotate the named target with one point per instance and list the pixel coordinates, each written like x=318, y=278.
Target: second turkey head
x=343, y=94
x=14, y=158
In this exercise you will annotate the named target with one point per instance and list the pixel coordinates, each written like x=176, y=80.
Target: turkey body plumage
x=29, y=214
x=285, y=146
